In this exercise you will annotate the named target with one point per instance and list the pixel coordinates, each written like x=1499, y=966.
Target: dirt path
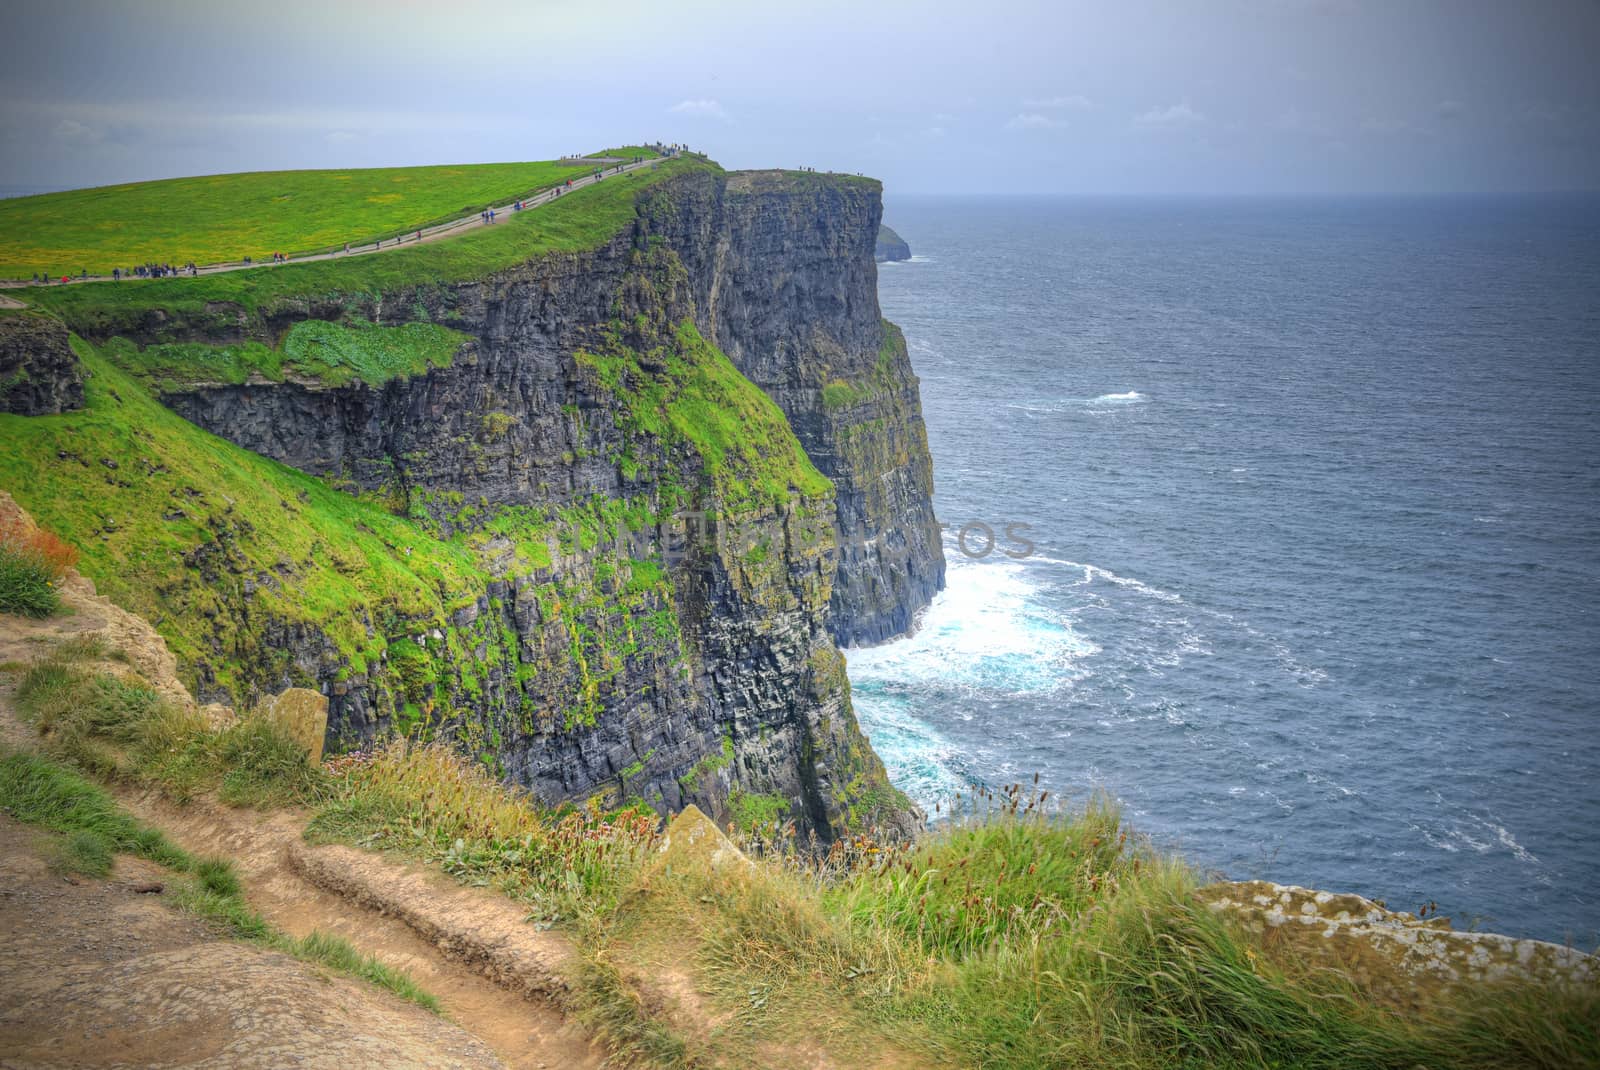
x=94, y=974
x=493, y=974
x=277, y=866
x=449, y=229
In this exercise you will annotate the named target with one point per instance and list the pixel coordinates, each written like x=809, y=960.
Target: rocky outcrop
x=678, y=644
x=1405, y=958
x=39, y=374
x=891, y=246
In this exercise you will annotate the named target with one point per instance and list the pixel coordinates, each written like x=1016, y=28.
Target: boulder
x=693, y=839
x=303, y=714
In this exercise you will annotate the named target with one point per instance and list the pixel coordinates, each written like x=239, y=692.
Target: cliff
x=38, y=373
x=793, y=300
x=891, y=246
x=571, y=534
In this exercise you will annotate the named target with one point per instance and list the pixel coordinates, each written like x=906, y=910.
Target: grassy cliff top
x=583, y=220
x=214, y=218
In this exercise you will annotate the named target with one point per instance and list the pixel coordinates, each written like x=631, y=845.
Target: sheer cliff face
x=794, y=302
x=679, y=644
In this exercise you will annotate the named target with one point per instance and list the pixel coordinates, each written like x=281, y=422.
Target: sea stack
x=891, y=246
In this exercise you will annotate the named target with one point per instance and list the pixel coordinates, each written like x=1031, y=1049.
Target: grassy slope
x=176, y=488
x=630, y=151
x=1010, y=939
x=583, y=220
x=741, y=434
x=334, y=353
x=216, y=218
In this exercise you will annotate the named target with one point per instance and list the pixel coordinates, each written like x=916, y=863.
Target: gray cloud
x=1160, y=95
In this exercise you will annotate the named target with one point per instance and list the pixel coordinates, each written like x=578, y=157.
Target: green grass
x=336, y=954
x=179, y=494
x=218, y=218
x=750, y=453
x=581, y=220
x=44, y=793
x=332, y=353
x=628, y=152
x=85, y=853
x=1019, y=939
x=753, y=811
x=27, y=584
x=429, y=803
x=40, y=792
x=113, y=727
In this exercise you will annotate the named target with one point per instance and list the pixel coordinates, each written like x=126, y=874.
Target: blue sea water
x=1315, y=492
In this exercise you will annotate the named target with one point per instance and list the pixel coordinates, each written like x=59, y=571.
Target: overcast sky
x=1112, y=96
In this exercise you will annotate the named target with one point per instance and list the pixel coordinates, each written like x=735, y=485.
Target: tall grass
x=1028, y=937
x=1017, y=935
x=427, y=802
x=32, y=564
x=112, y=727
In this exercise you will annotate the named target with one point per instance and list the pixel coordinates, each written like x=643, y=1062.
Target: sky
x=978, y=96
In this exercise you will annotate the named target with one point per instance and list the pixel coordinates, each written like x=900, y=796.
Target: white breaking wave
x=1059, y=405
x=1091, y=573
x=984, y=635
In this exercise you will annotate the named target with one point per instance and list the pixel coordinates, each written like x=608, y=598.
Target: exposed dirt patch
x=94, y=974
x=470, y=948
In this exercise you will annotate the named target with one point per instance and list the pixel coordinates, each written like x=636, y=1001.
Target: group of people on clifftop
x=142, y=271
x=488, y=215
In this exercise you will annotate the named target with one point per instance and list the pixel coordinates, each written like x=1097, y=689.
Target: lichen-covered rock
x=1397, y=954
x=39, y=373
x=692, y=839
x=303, y=716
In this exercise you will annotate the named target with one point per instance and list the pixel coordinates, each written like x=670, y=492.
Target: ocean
x=1311, y=557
